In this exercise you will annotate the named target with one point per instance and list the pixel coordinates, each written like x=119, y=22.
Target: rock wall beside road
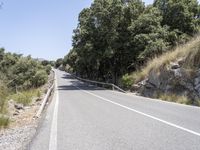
x=172, y=79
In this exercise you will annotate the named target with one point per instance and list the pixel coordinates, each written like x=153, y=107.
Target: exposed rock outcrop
x=171, y=79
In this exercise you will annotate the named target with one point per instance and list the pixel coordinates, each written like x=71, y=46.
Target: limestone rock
x=174, y=79
x=175, y=65
x=135, y=87
x=19, y=106
x=181, y=61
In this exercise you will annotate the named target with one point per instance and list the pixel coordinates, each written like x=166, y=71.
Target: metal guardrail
x=114, y=87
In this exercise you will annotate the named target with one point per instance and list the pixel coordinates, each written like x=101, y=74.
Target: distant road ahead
x=83, y=117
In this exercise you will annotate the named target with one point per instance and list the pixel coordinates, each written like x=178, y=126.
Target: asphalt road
x=83, y=117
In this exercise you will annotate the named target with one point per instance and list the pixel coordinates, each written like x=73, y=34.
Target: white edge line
x=151, y=99
x=157, y=100
x=141, y=113
x=53, y=132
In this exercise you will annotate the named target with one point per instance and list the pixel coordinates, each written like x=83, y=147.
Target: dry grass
x=26, y=97
x=189, y=51
x=182, y=99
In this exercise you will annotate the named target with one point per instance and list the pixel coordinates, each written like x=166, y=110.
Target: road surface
x=83, y=117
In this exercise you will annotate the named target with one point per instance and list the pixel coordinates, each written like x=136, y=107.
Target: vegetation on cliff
x=173, y=76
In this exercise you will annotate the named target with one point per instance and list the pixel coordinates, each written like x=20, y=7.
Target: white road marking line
x=53, y=134
x=157, y=100
x=144, y=114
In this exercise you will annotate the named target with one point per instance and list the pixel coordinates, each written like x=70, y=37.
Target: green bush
x=22, y=72
x=127, y=81
x=40, y=78
x=4, y=121
x=48, y=69
x=3, y=96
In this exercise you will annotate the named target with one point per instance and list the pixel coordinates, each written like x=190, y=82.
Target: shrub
x=190, y=51
x=48, y=69
x=3, y=96
x=4, y=121
x=127, y=81
x=40, y=78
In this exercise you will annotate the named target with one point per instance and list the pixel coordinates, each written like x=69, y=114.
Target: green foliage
x=17, y=75
x=58, y=62
x=47, y=65
x=4, y=121
x=22, y=72
x=45, y=62
x=3, y=97
x=116, y=37
x=48, y=69
x=127, y=81
x=39, y=78
x=181, y=15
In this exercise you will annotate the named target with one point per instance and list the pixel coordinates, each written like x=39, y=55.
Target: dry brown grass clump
x=182, y=99
x=189, y=51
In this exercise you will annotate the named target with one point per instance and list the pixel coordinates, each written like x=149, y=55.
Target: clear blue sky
x=41, y=28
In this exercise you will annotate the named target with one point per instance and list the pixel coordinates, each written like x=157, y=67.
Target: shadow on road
x=75, y=84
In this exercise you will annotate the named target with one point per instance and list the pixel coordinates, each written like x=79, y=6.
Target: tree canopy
x=21, y=72
x=115, y=37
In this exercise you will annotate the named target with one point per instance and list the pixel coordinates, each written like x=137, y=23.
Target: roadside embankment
x=23, y=123
x=173, y=76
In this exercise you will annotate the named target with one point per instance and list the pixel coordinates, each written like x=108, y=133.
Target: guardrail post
x=114, y=87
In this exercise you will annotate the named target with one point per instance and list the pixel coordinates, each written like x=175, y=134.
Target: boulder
x=153, y=79
x=197, y=81
x=175, y=65
x=177, y=72
x=135, y=87
x=181, y=61
x=19, y=106
x=16, y=113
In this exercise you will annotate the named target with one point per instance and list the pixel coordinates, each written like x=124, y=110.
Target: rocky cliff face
x=172, y=79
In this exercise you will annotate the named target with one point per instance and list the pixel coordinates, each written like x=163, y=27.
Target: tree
x=58, y=62
x=115, y=37
x=19, y=71
x=179, y=14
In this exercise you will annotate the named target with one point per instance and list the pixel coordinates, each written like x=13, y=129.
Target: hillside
x=173, y=76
